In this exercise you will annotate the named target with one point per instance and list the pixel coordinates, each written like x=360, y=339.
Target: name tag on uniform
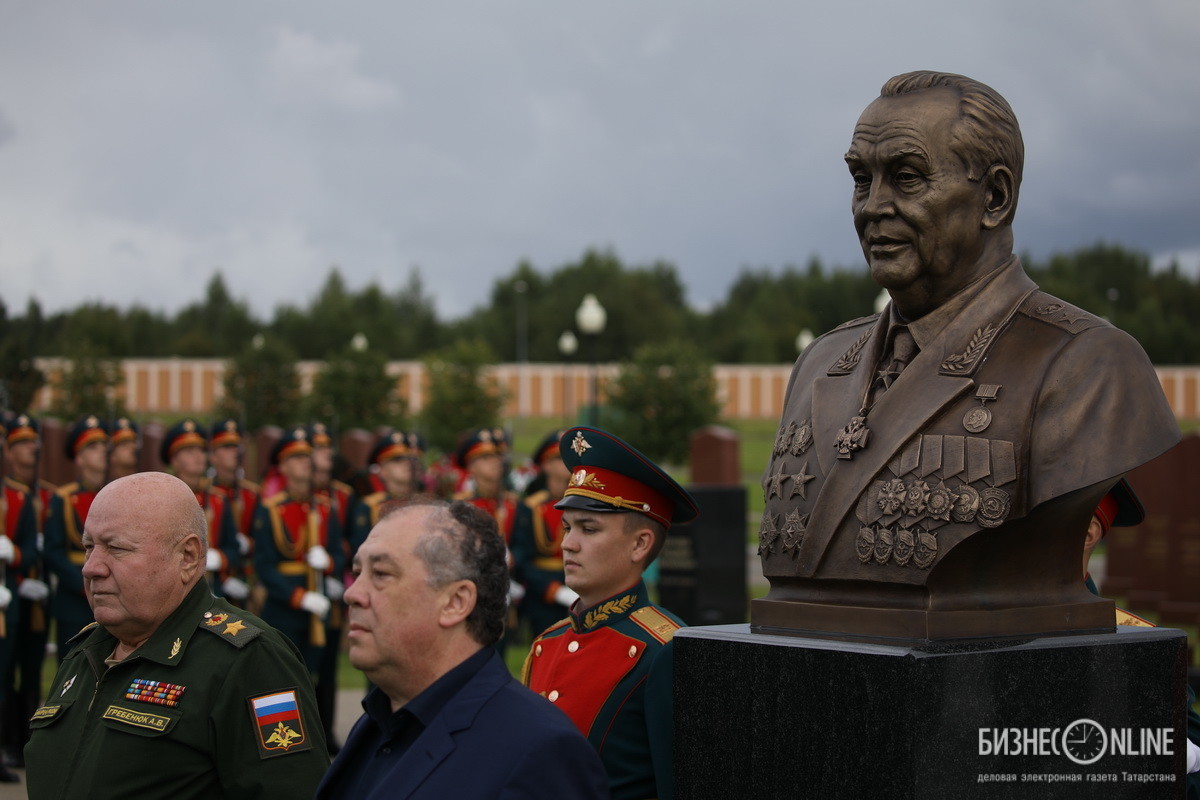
x=138, y=719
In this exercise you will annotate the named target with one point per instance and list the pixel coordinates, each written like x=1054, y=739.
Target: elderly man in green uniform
x=608, y=666
x=172, y=693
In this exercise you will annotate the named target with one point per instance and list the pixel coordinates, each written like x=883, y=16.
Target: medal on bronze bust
x=853, y=437
x=977, y=419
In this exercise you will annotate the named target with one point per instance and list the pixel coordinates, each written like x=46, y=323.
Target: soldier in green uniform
x=608, y=665
x=172, y=693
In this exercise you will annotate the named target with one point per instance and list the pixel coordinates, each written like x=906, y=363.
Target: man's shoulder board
x=853, y=323
x=229, y=627
x=656, y=623
x=536, y=499
x=1059, y=313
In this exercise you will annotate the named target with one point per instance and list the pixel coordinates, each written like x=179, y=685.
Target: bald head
x=145, y=539
x=160, y=504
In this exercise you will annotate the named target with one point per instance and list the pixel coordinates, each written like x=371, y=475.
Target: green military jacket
x=214, y=704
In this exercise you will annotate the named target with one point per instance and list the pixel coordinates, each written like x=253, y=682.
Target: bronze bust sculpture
x=936, y=465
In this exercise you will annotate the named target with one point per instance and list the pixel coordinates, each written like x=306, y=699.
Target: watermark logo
x=1083, y=741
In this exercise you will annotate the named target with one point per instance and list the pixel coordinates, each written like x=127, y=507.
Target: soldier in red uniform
x=339, y=493
x=124, y=446
x=537, y=540
x=396, y=462
x=481, y=456
x=23, y=638
x=86, y=445
x=608, y=665
x=185, y=449
x=225, y=459
x=300, y=560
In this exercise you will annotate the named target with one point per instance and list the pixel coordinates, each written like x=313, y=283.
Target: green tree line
x=757, y=322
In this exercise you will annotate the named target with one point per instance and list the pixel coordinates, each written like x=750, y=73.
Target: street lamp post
x=520, y=287
x=567, y=345
x=590, y=318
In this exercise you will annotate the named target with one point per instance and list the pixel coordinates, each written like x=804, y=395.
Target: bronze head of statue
x=936, y=465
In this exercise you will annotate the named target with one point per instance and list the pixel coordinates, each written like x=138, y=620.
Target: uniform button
x=572, y=647
x=537, y=651
x=553, y=696
x=632, y=651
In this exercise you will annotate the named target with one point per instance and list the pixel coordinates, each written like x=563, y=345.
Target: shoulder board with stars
x=656, y=623
x=229, y=627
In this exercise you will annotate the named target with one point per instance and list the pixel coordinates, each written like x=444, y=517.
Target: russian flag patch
x=279, y=723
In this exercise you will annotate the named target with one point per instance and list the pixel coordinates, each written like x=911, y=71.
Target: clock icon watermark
x=1084, y=741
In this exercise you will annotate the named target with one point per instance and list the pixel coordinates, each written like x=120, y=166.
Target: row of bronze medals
x=921, y=548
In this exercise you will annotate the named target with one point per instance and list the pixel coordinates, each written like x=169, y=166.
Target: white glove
x=565, y=596
x=7, y=551
x=1193, y=757
x=315, y=603
x=33, y=589
x=214, y=560
x=334, y=589
x=235, y=588
x=5, y=597
x=244, y=543
x=515, y=592
x=41, y=542
x=318, y=558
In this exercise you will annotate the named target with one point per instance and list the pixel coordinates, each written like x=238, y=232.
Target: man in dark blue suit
x=445, y=718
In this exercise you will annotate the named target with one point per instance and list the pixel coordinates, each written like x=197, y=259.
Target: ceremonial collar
x=610, y=610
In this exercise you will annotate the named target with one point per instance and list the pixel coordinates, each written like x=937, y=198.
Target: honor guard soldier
x=124, y=445
x=481, y=456
x=22, y=689
x=340, y=494
x=537, y=540
x=18, y=548
x=172, y=693
x=396, y=461
x=1121, y=508
x=226, y=453
x=299, y=558
x=87, y=446
x=185, y=449
x=608, y=665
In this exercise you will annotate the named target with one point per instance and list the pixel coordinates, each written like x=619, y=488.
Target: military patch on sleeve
x=277, y=719
x=657, y=624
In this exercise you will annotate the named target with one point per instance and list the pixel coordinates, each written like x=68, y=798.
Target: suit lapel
x=437, y=742
x=838, y=396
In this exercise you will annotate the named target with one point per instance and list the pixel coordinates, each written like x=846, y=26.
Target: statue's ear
x=1001, y=200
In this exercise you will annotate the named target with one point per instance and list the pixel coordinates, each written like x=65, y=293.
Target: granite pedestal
x=766, y=716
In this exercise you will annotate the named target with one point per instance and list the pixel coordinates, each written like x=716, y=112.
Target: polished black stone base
x=763, y=716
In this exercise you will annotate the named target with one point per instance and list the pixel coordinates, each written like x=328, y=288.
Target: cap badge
x=189, y=426
x=584, y=479
x=579, y=444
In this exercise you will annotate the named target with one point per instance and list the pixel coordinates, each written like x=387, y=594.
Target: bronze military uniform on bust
x=941, y=490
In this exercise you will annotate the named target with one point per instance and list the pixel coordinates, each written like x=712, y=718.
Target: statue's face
x=917, y=214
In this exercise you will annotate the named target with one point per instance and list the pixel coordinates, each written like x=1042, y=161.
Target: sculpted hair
x=464, y=543
x=987, y=132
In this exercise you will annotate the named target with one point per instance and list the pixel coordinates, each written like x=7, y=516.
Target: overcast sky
x=143, y=145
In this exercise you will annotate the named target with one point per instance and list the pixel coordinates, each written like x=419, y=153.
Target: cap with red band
x=608, y=475
x=1120, y=508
